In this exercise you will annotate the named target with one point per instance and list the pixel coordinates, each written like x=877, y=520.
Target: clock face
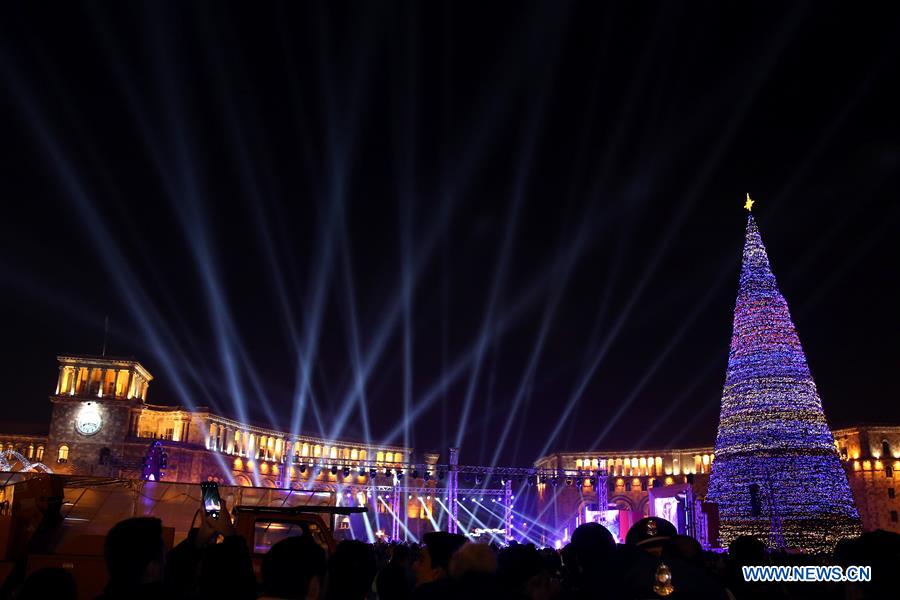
x=88, y=421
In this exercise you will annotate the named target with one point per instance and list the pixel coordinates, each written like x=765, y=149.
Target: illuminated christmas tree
x=776, y=473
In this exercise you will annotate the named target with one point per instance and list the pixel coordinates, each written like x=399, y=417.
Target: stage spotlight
x=362, y=471
x=568, y=481
x=579, y=482
x=399, y=474
x=554, y=481
x=334, y=470
x=415, y=474
x=440, y=474
x=427, y=475
x=478, y=479
x=346, y=472
x=468, y=477
x=387, y=472
x=531, y=480
x=303, y=468
x=373, y=473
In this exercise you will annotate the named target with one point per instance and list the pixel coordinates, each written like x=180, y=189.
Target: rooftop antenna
x=105, y=333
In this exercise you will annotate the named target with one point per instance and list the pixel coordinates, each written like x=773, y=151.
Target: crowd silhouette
x=655, y=562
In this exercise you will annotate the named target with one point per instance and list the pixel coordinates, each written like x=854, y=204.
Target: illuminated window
x=121, y=383
x=30, y=450
x=40, y=453
x=63, y=455
x=109, y=382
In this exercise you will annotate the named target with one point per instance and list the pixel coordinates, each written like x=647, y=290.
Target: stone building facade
x=102, y=425
x=871, y=457
x=870, y=454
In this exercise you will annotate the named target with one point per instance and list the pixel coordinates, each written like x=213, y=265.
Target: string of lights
x=776, y=474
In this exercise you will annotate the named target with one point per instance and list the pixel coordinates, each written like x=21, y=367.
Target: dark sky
x=537, y=204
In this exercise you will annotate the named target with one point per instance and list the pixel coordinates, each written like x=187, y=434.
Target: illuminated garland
x=772, y=429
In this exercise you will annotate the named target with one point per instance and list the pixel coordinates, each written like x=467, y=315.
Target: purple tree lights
x=776, y=473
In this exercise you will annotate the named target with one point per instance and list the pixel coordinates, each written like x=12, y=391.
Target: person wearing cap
x=649, y=534
x=656, y=571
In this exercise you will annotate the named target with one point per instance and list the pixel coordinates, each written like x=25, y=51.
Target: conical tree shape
x=776, y=473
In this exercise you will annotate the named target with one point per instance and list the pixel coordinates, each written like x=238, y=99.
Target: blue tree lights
x=776, y=473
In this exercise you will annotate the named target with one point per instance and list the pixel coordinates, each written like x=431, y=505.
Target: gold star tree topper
x=749, y=203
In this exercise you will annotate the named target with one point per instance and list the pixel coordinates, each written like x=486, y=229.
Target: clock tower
x=96, y=407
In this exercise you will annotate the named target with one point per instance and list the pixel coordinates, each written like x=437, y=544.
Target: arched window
x=105, y=455
x=63, y=455
x=30, y=451
x=885, y=449
x=40, y=453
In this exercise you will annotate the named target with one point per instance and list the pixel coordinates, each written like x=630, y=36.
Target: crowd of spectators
x=655, y=562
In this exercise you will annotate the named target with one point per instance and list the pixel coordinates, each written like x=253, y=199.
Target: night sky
x=407, y=206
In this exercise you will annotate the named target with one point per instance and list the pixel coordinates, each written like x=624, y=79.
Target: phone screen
x=212, y=504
